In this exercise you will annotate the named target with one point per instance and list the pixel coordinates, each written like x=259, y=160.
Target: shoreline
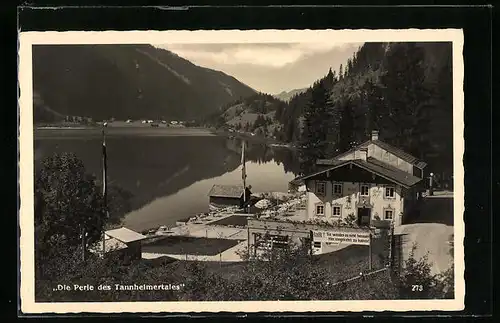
x=146, y=129
x=255, y=139
x=63, y=132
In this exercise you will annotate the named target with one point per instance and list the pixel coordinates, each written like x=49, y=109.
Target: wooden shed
x=222, y=196
x=123, y=242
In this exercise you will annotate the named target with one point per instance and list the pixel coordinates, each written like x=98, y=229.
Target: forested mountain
x=255, y=113
x=404, y=90
x=126, y=81
x=287, y=95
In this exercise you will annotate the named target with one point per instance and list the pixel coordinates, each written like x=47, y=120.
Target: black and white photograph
x=241, y=171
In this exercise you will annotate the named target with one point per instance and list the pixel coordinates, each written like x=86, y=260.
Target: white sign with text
x=342, y=237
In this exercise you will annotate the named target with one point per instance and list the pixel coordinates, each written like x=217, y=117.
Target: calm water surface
x=170, y=172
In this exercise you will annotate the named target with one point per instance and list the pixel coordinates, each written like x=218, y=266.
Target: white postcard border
x=26, y=167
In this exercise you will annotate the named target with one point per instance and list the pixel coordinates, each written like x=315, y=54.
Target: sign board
x=342, y=237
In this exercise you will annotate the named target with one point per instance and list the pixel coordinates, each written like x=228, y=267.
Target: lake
x=170, y=171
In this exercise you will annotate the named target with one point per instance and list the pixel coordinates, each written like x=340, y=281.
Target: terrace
x=179, y=245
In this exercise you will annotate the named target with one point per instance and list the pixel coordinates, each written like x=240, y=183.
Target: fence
x=391, y=267
x=362, y=276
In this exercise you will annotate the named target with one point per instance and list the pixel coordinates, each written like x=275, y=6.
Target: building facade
x=372, y=183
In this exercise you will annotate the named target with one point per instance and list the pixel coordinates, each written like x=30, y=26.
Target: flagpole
x=243, y=173
x=104, y=188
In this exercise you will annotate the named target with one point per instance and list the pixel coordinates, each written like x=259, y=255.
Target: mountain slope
x=287, y=96
x=128, y=81
x=404, y=90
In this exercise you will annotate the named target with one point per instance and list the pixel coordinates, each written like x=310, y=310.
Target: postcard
x=241, y=171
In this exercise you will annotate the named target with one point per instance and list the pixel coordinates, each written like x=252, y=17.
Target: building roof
x=330, y=162
x=389, y=171
x=372, y=165
x=235, y=191
x=110, y=244
x=399, y=153
x=125, y=235
x=393, y=150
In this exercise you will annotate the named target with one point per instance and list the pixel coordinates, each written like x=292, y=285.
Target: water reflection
x=262, y=153
x=170, y=176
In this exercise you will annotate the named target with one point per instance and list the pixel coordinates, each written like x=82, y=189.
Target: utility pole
x=431, y=184
x=370, y=252
x=82, y=232
x=104, y=188
x=391, y=246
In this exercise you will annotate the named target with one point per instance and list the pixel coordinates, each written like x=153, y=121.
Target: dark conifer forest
x=403, y=90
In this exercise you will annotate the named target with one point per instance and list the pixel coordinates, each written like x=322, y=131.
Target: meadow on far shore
x=118, y=128
x=122, y=128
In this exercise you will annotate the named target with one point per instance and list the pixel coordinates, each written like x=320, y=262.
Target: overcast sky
x=269, y=67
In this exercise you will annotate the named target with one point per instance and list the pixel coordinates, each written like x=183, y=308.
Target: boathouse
x=122, y=242
x=223, y=196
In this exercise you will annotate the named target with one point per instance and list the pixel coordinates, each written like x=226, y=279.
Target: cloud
x=269, y=67
x=273, y=55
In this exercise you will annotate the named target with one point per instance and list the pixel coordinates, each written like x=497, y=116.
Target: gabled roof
x=235, y=191
x=389, y=171
x=399, y=153
x=362, y=145
x=331, y=162
x=393, y=150
x=110, y=244
x=125, y=235
x=372, y=165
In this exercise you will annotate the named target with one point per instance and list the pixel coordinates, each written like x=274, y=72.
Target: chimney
x=363, y=153
x=375, y=135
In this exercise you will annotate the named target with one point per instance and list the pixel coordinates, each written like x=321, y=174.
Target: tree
x=69, y=200
x=348, y=68
x=317, y=138
x=69, y=204
x=329, y=79
x=346, y=126
x=373, y=101
x=417, y=281
x=407, y=97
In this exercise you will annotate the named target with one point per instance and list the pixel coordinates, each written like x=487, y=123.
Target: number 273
x=417, y=288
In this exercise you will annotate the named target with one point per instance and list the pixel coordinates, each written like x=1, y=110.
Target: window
x=317, y=244
x=320, y=188
x=320, y=209
x=337, y=189
x=389, y=192
x=336, y=210
x=388, y=214
x=365, y=189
